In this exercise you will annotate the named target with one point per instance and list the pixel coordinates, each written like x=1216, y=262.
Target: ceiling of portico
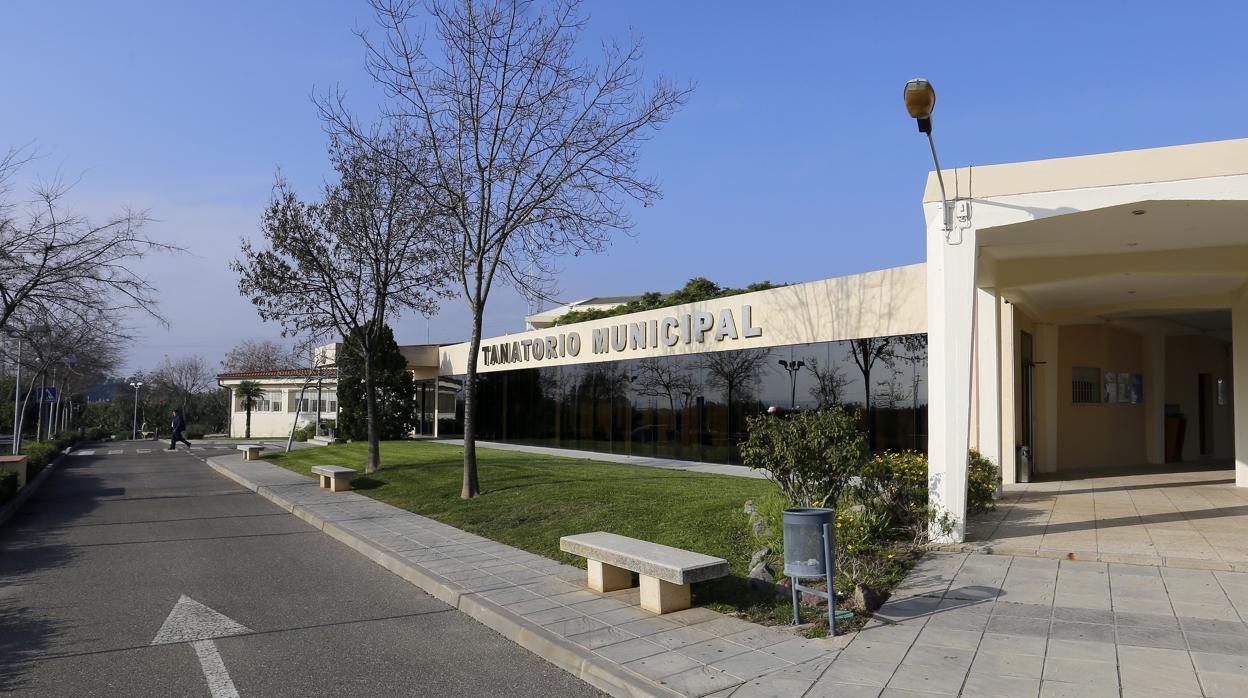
x=1176, y=256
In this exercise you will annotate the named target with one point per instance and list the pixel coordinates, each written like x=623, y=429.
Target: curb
x=1119, y=558
x=9, y=509
x=572, y=658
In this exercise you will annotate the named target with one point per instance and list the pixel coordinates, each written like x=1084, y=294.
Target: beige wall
x=875, y=304
x=1187, y=357
x=1101, y=435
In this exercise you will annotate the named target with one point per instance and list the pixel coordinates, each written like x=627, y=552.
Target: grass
x=529, y=500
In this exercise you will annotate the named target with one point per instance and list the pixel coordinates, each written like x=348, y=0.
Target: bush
x=811, y=456
x=98, y=434
x=38, y=455
x=981, y=483
x=305, y=432
x=897, y=483
x=194, y=435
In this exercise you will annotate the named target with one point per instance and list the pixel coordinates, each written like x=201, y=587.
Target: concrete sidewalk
x=644, y=461
x=545, y=606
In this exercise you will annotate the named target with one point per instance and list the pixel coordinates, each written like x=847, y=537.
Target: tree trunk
x=370, y=403
x=471, y=487
x=248, y=434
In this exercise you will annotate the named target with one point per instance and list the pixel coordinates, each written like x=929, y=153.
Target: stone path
x=1194, y=518
x=645, y=461
x=987, y=625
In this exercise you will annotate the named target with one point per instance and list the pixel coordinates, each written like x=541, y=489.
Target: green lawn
x=530, y=500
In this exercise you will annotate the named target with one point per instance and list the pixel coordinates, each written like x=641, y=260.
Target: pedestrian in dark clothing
x=179, y=426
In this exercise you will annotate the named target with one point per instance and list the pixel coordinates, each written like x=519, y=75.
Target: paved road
x=92, y=567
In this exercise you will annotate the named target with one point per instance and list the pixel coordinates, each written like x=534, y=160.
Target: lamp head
x=920, y=99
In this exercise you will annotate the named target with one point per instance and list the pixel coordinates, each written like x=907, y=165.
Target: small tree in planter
x=811, y=456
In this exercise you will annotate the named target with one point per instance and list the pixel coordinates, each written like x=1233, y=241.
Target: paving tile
x=875, y=651
x=692, y=616
x=1083, y=615
x=800, y=650
x=752, y=664
x=552, y=615
x=900, y=633
x=858, y=671
x=677, y=638
x=597, y=606
x=933, y=636
x=660, y=665
x=759, y=637
x=990, y=686
x=574, y=626
x=1013, y=644
x=1079, y=671
x=774, y=687
x=1143, y=668
x=994, y=664
x=1221, y=663
x=716, y=648
x=699, y=681
x=600, y=637
x=527, y=608
x=629, y=650
x=648, y=626
x=621, y=616
x=833, y=689
x=1022, y=610
x=1083, y=632
x=945, y=679
x=1061, y=689
x=1146, y=619
x=1217, y=644
x=1208, y=625
x=1030, y=627
x=1163, y=638
x=1093, y=651
x=1219, y=685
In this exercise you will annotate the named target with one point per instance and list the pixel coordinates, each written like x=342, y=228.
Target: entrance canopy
x=1081, y=308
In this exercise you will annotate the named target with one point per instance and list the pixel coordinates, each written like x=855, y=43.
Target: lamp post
x=134, y=425
x=920, y=99
x=17, y=398
x=792, y=367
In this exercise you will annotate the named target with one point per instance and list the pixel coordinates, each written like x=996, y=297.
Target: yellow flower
x=890, y=556
x=849, y=547
x=838, y=525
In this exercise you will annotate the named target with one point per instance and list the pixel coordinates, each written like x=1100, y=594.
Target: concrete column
x=1154, y=346
x=1009, y=397
x=1239, y=387
x=1047, y=374
x=988, y=356
x=951, y=314
x=437, y=403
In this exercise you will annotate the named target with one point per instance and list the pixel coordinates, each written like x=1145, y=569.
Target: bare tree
x=347, y=263
x=259, y=355
x=183, y=377
x=662, y=378
x=525, y=149
x=830, y=382
x=734, y=372
x=65, y=262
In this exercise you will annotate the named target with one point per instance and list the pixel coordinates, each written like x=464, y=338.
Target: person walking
x=179, y=425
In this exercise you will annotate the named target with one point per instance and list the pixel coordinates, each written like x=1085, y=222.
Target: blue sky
x=794, y=160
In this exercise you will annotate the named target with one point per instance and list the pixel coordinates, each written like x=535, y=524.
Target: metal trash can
x=804, y=551
x=1023, y=471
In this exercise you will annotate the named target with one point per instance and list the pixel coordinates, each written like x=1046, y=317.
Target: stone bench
x=665, y=572
x=334, y=478
x=251, y=451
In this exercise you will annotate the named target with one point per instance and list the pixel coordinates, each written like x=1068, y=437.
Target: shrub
x=38, y=455
x=981, y=483
x=194, y=434
x=811, y=456
x=897, y=482
x=98, y=434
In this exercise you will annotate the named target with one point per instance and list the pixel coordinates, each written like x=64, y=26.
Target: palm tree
x=250, y=392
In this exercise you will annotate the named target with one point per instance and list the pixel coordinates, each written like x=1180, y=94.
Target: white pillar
x=437, y=402
x=1239, y=388
x=988, y=355
x=1009, y=398
x=951, y=315
x=1154, y=398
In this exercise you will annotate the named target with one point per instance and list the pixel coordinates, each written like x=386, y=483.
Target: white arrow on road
x=191, y=621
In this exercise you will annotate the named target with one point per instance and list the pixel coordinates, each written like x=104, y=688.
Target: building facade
x=292, y=398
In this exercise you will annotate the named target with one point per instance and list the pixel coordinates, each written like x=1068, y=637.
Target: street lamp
x=134, y=426
x=792, y=367
x=920, y=99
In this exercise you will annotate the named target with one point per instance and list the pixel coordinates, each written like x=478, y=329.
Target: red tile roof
x=280, y=373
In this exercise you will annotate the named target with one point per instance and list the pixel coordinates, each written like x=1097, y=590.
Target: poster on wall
x=1137, y=388
x=1124, y=388
x=1111, y=386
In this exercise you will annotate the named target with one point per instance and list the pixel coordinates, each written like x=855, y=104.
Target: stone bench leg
x=341, y=483
x=658, y=596
x=604, y=577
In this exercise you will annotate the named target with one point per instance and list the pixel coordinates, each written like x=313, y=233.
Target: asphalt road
x=94, y=564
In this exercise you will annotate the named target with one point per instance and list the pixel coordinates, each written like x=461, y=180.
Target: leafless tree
x=830, y=382
x=528, y=151
x=348, y=263
x=259, y=355
x=662, y=378
x=65, y=262
x=734, y=372
x=183, y=377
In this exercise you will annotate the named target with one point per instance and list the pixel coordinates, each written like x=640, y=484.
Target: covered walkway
x=1173, y=515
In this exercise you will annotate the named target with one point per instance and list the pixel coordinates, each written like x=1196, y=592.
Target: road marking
x=144, y=450
x=116, y=452
x=191, y=621
x=84, y=453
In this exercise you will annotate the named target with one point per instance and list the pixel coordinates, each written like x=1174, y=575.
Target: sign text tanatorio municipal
x=647, y=334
